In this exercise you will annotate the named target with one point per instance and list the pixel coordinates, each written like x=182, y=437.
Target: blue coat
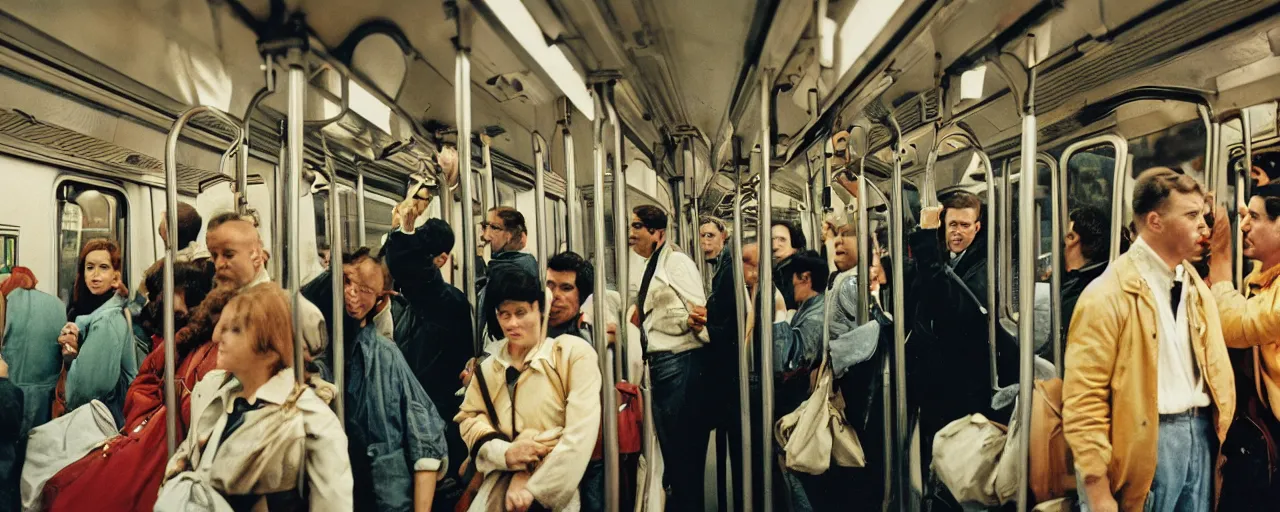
x=393, y=428
x=30, y=348
x=107, y=363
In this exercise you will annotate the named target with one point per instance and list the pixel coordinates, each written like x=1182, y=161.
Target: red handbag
x=630, y=422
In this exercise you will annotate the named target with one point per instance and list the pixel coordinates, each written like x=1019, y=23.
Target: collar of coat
x=542, y=352
x=1130, y=276
x=276, y=390
x=1263, y=280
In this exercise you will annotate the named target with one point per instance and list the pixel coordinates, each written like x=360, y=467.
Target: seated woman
x=254, y=429
x=97, y=341
x=531, y=415
x=125, y=474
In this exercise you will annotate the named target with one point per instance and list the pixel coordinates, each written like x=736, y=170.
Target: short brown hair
x=263, y=312
x=512, y=220
x=1154, y=186
x=961, y=200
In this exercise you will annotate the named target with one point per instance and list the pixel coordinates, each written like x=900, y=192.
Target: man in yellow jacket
x=1252, y=320
x=1148, y=394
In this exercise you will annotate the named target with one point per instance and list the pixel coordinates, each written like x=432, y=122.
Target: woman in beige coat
x=258, y=439
x=545, y=394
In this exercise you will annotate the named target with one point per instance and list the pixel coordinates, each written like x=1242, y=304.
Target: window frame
x=121, y=220
x=1121, y=146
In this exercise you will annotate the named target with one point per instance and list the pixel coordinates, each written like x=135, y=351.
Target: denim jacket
x=107, y=363
x=797, y=343
x=392, y=426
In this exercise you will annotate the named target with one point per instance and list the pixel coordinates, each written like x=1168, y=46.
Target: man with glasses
x=949, y=333
x=507, y=235
x=673, y=338
x=393, y=427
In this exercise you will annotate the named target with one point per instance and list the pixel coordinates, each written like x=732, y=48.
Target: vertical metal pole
x=691, y=169
x=361, y=227
x=336, y=281
x=764, y=214
x=993, y=313
x=462, y=105
x=1242, y=191
x=171, y=251
x=621, y=220
x=680, y=239
x=572, y=203
x=1058, y=226
x=1006, y=238
x=296, y=111
x=278, y=218
x=489, y=196
x=540, y=201
x=865, y=236
x=744, y=345
x=1027, y=245
x=902, y=442
x=609, y=398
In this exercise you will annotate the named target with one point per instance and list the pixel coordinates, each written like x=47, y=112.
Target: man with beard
x=239, y=262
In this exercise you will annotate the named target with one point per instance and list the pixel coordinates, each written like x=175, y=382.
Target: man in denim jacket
x=396, y=438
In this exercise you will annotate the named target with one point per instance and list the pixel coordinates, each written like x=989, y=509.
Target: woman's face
x=519, y=321
x=235, y=343
x=99, y=276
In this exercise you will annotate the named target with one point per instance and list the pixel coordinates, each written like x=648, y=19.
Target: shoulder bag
x=816, y=433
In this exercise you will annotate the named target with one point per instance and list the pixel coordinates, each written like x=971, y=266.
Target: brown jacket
x=1110, y=416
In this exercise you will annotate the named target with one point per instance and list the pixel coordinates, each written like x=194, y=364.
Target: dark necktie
x=1176, y=291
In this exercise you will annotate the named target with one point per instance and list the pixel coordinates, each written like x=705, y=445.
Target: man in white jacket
x=674, y=342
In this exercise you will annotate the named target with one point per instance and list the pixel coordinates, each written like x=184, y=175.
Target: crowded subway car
x=273, y=255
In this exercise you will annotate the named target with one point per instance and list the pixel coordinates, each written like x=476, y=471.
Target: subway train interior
x=656, y=139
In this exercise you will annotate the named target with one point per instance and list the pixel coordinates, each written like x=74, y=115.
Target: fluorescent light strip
x=363, y=103
x=863, y=24
x=515, y=18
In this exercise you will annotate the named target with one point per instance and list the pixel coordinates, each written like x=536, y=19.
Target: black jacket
x=1073, y=283
x=948, y=349
x=10, y=426
x=782, y=272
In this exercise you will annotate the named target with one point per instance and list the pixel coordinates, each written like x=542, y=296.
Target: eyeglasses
x=349, y=286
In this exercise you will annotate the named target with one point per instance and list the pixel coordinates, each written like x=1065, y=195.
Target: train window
x=1091, y=177
x=8, y=248
x=1181, y=147
x=87, y=212
x=377, y=218
x=506, y=194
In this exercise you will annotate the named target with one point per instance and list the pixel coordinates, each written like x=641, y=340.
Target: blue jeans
x=1184, y=463
x=678, y=384
x=591, y=490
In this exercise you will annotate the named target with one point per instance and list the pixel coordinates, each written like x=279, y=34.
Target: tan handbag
x=816, y=433
x=966, y=454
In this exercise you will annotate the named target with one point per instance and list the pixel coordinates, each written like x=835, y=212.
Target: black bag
x=1249, y=476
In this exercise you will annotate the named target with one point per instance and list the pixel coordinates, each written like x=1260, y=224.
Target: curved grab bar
x=171, y=251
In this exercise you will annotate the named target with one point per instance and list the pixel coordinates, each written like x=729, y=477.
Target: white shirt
x=1179, y=383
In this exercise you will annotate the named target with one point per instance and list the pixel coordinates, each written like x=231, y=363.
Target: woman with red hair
x=97, y=344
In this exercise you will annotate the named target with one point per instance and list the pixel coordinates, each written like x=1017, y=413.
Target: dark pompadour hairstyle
x=584, y=272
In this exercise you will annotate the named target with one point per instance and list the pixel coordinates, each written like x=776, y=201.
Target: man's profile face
x=565, y=298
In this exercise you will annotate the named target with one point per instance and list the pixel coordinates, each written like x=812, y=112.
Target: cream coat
x=246, y=464
x=559, y=392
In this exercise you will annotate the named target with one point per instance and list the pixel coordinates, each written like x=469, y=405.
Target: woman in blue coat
x=97, y=342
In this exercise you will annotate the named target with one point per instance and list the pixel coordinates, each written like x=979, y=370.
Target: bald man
x=238, y=260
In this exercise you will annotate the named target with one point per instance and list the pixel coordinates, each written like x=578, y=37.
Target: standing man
x=674, y=343
x=1251, y=321
x=1086, y=251
x=712, y=235
x=506, y=234
x=1148, y=394
x=949, y=333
